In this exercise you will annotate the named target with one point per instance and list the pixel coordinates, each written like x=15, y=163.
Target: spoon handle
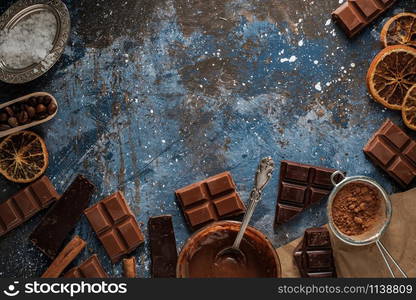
x=263, y=174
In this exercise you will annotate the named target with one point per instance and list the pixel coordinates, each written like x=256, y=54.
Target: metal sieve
x=375, y=235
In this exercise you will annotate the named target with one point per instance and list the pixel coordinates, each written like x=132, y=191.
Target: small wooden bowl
x=31, y=124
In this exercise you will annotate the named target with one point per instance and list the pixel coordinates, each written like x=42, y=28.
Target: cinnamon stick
x=129, y=267
x=65, y=257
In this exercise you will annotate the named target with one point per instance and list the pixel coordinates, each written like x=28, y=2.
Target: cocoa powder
x=356, y=208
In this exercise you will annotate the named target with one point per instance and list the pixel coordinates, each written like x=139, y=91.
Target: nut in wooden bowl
x=27, y=111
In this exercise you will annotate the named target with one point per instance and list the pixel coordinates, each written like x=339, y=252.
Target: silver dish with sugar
x=24, y=13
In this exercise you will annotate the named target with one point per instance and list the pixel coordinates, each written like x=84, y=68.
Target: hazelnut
x=23, y=117
x=52, y=108
x=358, y=220
x=13, y=122
x=40, y=108
x=363, y=206
x=30, y=111
x=9, y=111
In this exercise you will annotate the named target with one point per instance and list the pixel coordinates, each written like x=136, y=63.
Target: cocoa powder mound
x=356, y=208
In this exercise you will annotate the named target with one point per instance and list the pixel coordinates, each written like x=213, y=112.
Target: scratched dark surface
x=155, y=95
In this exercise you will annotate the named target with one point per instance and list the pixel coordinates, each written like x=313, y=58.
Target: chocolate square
x=394, y=151
x=354, y=15
x=212, y=199
x=368, y=7
x=115, y=225
x=313, y=256
x=300, y=186
x=26, y=203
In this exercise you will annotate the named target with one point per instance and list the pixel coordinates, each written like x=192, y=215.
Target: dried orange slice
x=409, y=108
x=23, y=157
x=391, y=74
x=400, y=30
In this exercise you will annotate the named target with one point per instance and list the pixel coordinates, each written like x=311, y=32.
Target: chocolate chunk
x=300, y=186
x=26, y=203
x=212, y=199
x=50, y=234
x=313, y=256
x=91, y=268
x=394, y=151
x=163, y=247
x=354, y=15
x=115, y=225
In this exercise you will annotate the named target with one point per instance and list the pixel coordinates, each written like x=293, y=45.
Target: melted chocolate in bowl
x=198, y=257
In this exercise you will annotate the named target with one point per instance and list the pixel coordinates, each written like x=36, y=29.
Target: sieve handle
x=335, y=174
x=386, y=254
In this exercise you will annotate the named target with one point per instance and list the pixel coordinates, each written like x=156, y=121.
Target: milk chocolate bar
x=163, y=247
x=394, y=151
x=50, y=234
x=313, y=256
x=212, y=199
x=26, y=203
x=300, y=186
x=115, y=225
x=91, y=268
x=354, y=15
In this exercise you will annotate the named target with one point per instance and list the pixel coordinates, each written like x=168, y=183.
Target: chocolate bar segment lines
x=300, y=186
x=313, y=256
x=355, y=15
x=115, y=226
x=91, y=268
x=394, y=151
x=26, y=203
x=212, y=199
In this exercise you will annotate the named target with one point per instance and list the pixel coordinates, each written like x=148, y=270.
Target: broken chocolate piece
x=394, y=151
x=115, y=225
x=50, y=234
x=212, y=199
x=300, y=186
x=354, y=15
x=25, y=204
x=313, y=256
x=163, y=247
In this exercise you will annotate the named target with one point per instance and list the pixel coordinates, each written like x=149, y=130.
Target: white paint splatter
x=328, y=22
x=300, y=43
x=315, y=62
x=318, y=86
x=292, y=59
x=352, y=65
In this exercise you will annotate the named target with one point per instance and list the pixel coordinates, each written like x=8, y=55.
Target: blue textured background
x=157, y=94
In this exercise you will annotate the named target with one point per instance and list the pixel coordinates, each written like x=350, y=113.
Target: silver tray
x=18, y=12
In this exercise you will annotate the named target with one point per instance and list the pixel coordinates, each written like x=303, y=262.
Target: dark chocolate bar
x=115, y=225
x=163, y=247
x=50, y=234
x=212, y=199
x=354, y=15
x=313, y=256
x=300, y=186
x=26, y=203
x=91, y=268
x=394, y=151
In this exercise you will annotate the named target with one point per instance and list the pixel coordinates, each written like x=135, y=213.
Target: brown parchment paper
x=366, y=261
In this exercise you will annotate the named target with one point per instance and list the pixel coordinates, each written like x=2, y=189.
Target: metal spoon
x=263, y=175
